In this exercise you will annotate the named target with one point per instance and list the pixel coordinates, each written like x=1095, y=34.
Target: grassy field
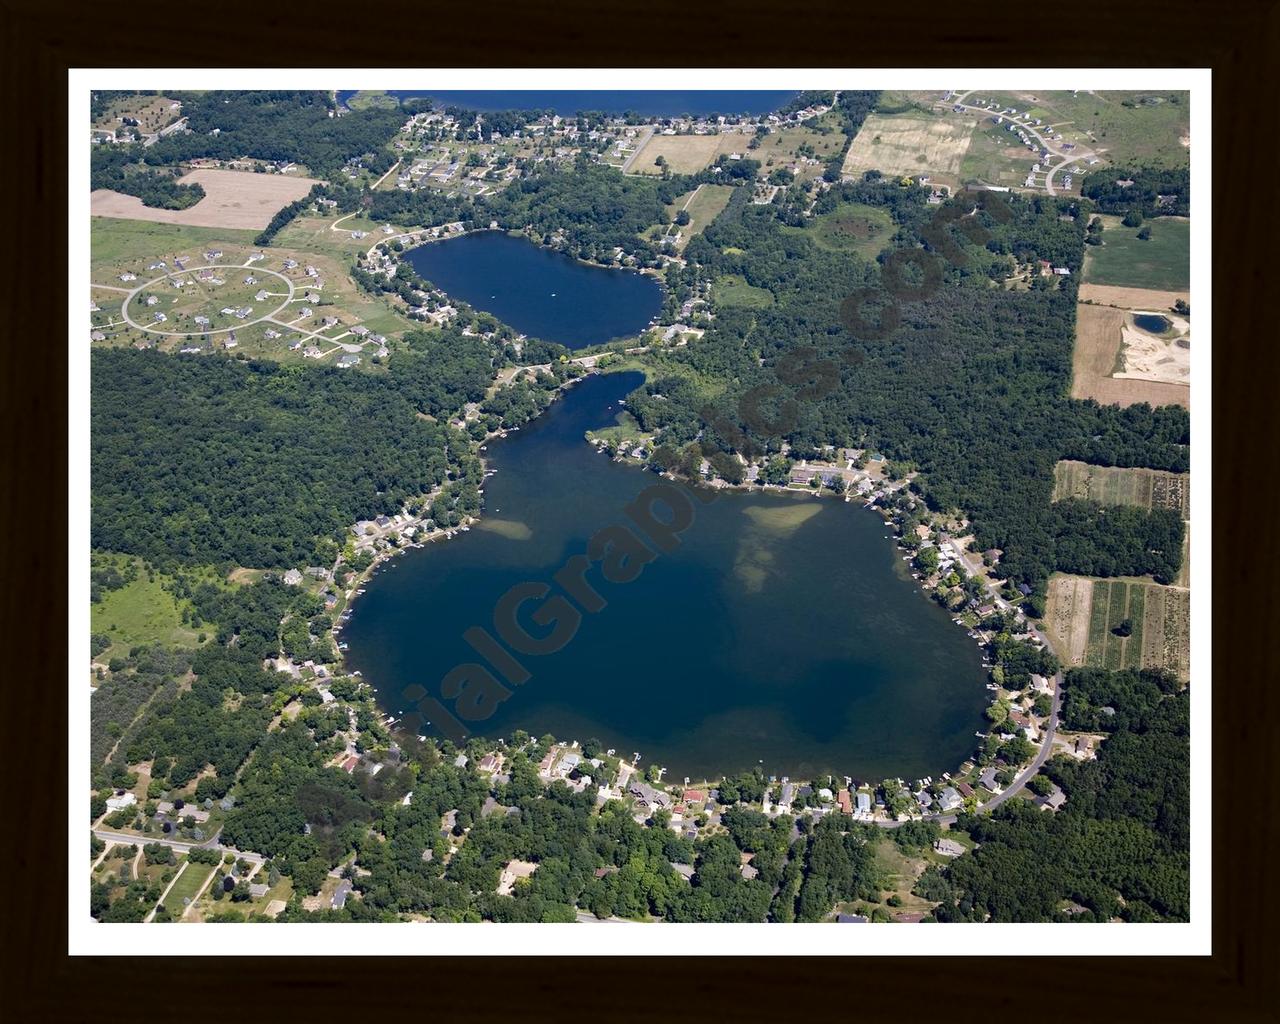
x=372, y=99
x=705, y=206
x=733, y=290
x=117, y=246
x=852, y=227
x=1108, y=485
x=1081, y=616
x=995, y=157
x=187, y=885
x=1162, y=262
x=1123, y=127
x=151, y=112
x=141, y=612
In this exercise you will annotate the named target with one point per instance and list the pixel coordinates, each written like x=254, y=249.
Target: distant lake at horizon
x=566, y=102
x=783, y=632
x=538, y=291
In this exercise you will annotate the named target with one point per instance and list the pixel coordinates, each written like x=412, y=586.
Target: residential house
x=949, y=799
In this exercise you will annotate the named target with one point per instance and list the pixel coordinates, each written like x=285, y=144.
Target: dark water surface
x=782, y=631
x=538, y=291
x=566, y=102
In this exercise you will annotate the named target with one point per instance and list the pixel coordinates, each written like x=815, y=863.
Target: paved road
x=626, y=166
x=177, y=845
x=168, y=129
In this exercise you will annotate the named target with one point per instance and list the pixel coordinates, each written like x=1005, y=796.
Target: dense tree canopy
x=212, y=460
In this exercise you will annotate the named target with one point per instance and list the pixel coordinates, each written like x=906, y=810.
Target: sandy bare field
x=1099, y=332
x=1131, y=298
x=909, y=145
x=233, y=199
x=1148, y=357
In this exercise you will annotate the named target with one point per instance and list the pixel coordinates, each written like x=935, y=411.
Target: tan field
x=687, y=154
x=1068, y=605
x=1131, y=298
x=1099, y=332
x=233, y=199
x=909, y=145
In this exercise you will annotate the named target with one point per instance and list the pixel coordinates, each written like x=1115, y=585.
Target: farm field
x=911, y=143
x=1123, y=127
x=234, y=199
x=1161, y=263
x=852, y=227
x=1081, y=615
x=733, y=290
x=1111, y=485
x=1097, y=356
x=1130, y=298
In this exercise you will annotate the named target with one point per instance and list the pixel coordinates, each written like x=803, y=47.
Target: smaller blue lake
x=566, y=102
x=540, y=292
x=1151, y=322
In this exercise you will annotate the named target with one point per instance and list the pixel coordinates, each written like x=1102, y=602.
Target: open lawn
x=1097, y=356
x=733, y=290
x=141, y=612
x=913, y=143
x=186, y=887
x=1161, y=262
x=1081, y=615
x=233, y=199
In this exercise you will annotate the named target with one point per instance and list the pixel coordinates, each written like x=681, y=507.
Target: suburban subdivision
x=773, y=509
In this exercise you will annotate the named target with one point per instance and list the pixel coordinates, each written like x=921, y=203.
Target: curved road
x=1078, y=154
x=124, y=306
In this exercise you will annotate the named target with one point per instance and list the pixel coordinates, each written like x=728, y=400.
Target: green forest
x=216, y=461
x=278, y=125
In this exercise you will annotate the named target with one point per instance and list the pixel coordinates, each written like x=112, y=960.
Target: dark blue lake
x=540, y=292
x=646, y=102
x=1152, y=322
x=782, y=631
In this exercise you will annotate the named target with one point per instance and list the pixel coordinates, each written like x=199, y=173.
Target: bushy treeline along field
x=213, y=461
